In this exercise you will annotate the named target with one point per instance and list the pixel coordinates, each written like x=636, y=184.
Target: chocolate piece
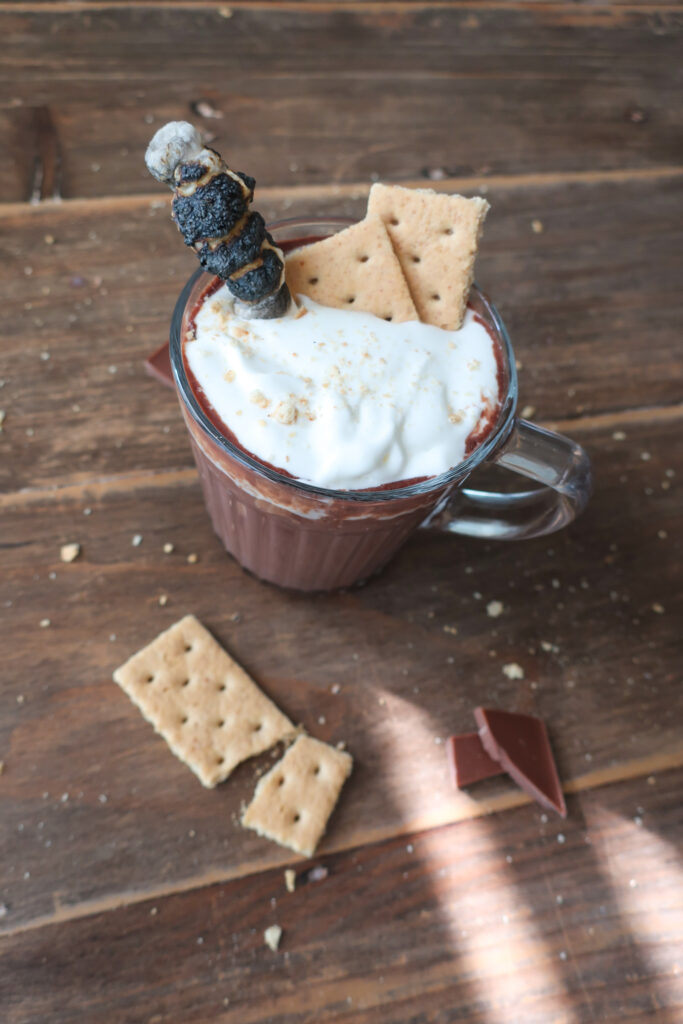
x=521, y=746
x=468, y=761
x=158, y=365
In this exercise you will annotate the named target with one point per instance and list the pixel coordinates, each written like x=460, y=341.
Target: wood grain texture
x=319, y=94
x=592, y=303
x=492, y=920
x=591, y=615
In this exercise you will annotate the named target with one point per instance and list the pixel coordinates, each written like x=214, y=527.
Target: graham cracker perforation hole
x=394, y=222
x=185, y=683
x=184, y=720
x=351, y=299
x=363, y=259
x=316, y=770
x=220, y=760
x=416, y=259
x=221, y=687
x=149, y=679
x=313, y=280
x=257, y=728
x=297, y=817
x=281, y=781
x=388, y=318
x=435, y=297
x=448, y=231
x=220, y=723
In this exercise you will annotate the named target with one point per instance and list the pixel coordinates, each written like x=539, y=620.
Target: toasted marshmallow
x=176, y=143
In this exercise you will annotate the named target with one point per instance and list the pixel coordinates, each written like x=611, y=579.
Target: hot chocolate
x=341, y=399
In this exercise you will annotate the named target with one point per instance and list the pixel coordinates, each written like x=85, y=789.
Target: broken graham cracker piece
x=435, y=237
x=292, y=803
x=355, y=269
x=211, y=714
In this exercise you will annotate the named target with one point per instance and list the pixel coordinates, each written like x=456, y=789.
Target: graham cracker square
x=435, y=237
x=211, y=714
x=293, y=802
x=355, y=269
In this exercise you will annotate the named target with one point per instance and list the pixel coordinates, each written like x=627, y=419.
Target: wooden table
x=128, y=893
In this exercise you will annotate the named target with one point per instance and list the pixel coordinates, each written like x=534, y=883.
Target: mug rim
x=497, y=436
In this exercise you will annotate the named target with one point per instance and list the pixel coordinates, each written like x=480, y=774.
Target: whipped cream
x=343, y=399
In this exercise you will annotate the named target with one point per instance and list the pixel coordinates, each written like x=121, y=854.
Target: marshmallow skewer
x=211, y=209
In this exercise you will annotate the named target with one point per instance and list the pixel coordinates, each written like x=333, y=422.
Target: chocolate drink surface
x=341, y=399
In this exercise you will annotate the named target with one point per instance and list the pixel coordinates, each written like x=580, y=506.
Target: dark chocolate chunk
x=468, y=761
x=521, y=746
x=259, y=282
x=158, y=365
x=211, y=211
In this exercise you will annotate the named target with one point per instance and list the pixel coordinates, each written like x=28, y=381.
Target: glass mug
x=310, y=538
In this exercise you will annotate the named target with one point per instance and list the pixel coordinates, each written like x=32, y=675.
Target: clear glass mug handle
x=561, y=465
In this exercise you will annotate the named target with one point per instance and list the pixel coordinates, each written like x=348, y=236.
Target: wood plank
x=482, y=921
x=319, y=94
x=95, y=808
x=596, y=292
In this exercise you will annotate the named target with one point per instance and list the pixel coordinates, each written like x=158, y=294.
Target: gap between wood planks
x=356, y=190
x=99, y=486
x=340, y=6
x=477, y=809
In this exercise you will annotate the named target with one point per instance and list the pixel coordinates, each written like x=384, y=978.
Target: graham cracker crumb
x=136, y=540
x=513, y=671
x=272, y=936
x=168, y=548
x=69, y=552
x=537, y=226
x=290, y=880
x=258, y=398
x=285, y=412
x=44, y=623
x=193, y=558
x=494, y=609
x=163, y=600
